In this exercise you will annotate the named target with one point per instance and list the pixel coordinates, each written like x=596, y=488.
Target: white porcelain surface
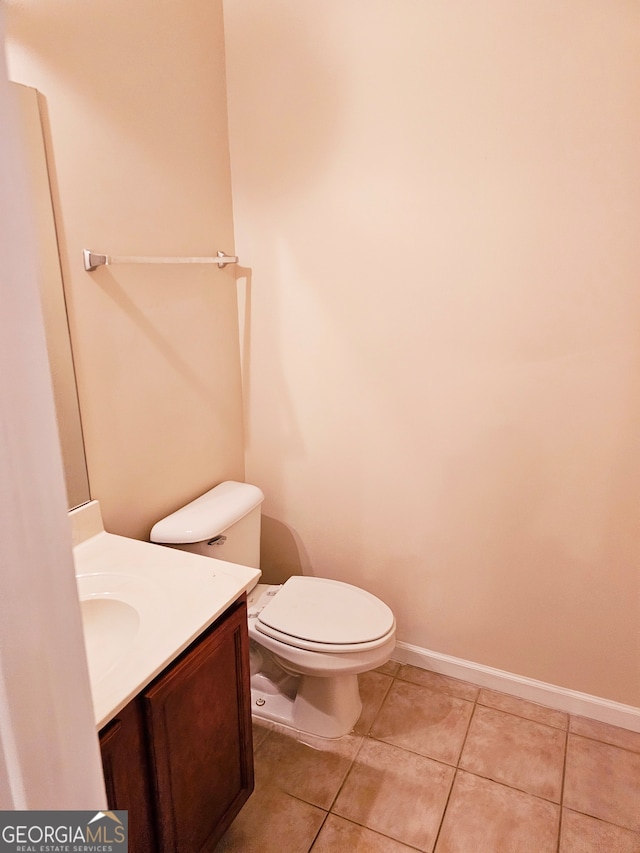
x=324, y=664
x=314, y=691
x=142, y=605
x=327, y=612
x=110, y=628
x=209, y=515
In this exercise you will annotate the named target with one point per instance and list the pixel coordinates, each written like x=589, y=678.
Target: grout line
x=504, y=784
x=523, y=717
x=446, y=806
x=374, y=832
x=412, y=752
x=382, y=701
x=633, y=832
x=349, y=769
x=605, y=742
x=466, y=734
x=320, y=828
x=564, y=775
x=366, y=735
x=558, y=698
x=510, y=787
x=456, y=767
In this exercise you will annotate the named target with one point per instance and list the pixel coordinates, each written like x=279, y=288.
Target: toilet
x=310, y=637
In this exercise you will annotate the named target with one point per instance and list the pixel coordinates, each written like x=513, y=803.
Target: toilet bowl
x=322, y=633
x=310, y=637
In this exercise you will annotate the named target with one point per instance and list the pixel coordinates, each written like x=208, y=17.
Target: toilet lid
x=319, y=610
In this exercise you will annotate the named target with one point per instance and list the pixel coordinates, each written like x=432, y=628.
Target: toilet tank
x=223, y=523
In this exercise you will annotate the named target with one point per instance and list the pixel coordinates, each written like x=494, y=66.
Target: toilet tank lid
x=209, y=515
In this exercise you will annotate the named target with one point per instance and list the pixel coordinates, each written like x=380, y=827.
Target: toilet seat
x=324, y=615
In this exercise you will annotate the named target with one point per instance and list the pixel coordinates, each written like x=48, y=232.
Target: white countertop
x=162, y=599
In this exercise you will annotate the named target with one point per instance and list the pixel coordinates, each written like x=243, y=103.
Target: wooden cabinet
x=179, y=756
x=123, y=746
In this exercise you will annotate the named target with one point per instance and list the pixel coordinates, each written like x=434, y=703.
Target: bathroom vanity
x=179, y=756
x=168, y=657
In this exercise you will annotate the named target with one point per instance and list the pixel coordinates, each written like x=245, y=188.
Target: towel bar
x=93, y=260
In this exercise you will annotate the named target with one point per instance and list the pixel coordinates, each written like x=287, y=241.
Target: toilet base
x=326, y=707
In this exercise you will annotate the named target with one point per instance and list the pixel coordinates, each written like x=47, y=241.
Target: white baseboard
x=560, y=698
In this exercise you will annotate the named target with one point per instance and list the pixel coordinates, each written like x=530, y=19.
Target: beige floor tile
x=582, y=834
x=485, y=817
x=523, y=708
x=260, y=733
x=271, y=726
x=272, y=822
x=423, y=720
x=603, y=781
x=613, y=735
x=440, y=683
x=396, y=793
x=516, y=752
x=311, y=769
x=374, y=686
x=339, y=836
x=391, y=668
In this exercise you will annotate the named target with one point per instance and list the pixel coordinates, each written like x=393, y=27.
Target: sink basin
x=110, y=627
x=117, y=617
x=142, y=605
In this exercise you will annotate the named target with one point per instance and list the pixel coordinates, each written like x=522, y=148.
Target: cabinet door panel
x=122, y=746
x=198, y=718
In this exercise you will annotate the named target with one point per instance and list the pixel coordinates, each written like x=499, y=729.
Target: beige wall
x=136, y=125
x=440, y=206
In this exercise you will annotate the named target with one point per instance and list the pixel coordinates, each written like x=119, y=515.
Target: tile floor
x=437, y=764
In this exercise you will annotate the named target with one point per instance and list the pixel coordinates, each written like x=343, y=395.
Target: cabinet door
x=122, y=745
x=198, y=717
